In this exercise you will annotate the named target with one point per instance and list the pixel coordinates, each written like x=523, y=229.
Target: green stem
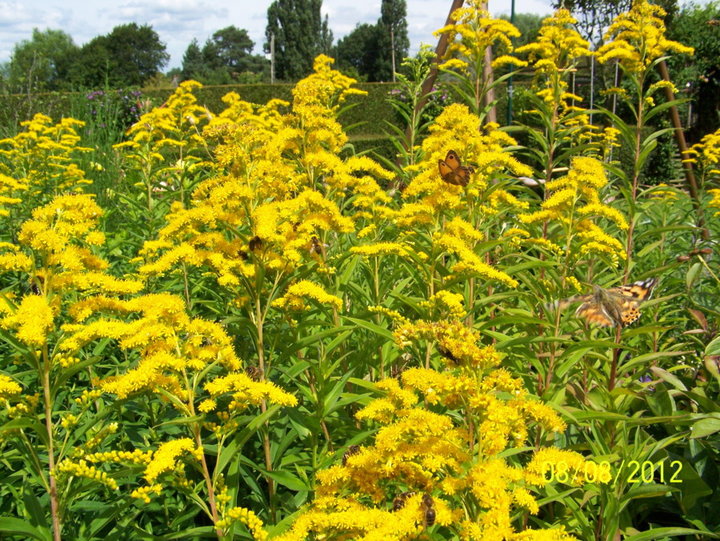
x=47, y=392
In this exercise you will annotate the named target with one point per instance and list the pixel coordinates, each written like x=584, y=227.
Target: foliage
x=257, y=340
x=41, y=63
x=359, y=52
x=697, y=26
x=128, y=56
x=300, y=34
x=226, y=57
x=367, y=51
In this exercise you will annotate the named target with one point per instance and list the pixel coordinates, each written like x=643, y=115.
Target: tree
x=300, y=33
x=41, y=63
x=128, y=56
x=225, y=58
x=357, y=53
x=393, y=42
x=193, y=64
x=698, y=26
x=228, y=55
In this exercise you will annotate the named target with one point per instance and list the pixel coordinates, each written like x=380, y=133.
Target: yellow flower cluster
x=69, y=468
x=715, y=201
x=297, y=294
x=469, y=263
x=166, y=457
x=32, y=321
x=706, y=155
x=245, y=516
x=60, y=234
x=166, y=463
x=456, y=343
x=344, y=518
x=445, y=305
x=39, y=162
x=8, y=387
x=171, y=131
x=278, y=203
x=169, y=342
x=422, y=460
x=486, y=148
x=244, y=392
x=558, y=47
x=556, y=52
x=472, y=33
x=574, y=202
x=637, y=38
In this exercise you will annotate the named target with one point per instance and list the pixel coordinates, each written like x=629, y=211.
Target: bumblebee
x=352, y=450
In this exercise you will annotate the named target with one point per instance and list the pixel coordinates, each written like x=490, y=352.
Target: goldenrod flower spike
x=637, y=38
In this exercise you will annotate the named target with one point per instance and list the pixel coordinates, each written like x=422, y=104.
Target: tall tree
x=42, y=62
x=193, y=64
x=128, y=56
x=393, y=42
x=301, y=33
x=357, y=53
x=225, y=58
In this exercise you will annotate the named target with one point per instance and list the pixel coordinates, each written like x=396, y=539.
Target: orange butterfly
x=614, y=307
x=453, y=172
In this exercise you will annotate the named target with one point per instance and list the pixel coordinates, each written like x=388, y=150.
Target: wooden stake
x=684, y=154
x=440, y=51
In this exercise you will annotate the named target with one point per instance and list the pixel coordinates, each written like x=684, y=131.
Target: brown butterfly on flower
x=613, y=307
x=453, y=172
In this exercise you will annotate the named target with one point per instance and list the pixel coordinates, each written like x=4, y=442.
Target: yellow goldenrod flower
x=33, y=320
x=296, y=294
x=637, y=38
x=245, y=516
x=8, y=387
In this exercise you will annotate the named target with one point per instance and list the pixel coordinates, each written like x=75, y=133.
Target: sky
x=177, y=22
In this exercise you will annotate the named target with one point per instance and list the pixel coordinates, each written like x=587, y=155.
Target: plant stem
x=259, y=320
x=206, y=476
x=54, y=505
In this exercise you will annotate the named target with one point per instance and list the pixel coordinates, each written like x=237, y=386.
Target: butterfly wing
x=639, y=291
x=629, y=298
x=617, y=306
x=453, y=160
x=452, y=171
x=447, y=173
x=595, y=313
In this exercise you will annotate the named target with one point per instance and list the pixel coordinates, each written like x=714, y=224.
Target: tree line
x=133, y=55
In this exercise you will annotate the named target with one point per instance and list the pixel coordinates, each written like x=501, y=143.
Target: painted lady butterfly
x=613, y=307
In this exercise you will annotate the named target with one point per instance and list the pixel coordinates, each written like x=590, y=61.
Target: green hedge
x=366, y=115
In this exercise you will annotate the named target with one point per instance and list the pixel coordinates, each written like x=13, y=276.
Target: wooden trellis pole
x=440, y=51
x=684, y=155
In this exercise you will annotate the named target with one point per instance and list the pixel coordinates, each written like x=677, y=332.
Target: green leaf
x=662, y=533
x=287, y=479
x=692, y=274
x=380, y=331
x=705, y=427
x=16, y=526
x=668, y=377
